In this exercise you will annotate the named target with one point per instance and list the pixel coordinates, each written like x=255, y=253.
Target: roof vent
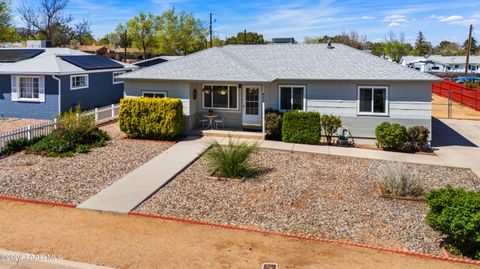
x=329, y=44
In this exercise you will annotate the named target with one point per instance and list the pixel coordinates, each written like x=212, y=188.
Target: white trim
x=155, y=92
x=81, y=87
x=40, y=99
x=80, y=72
x=118, y=74
x=244, y=105
x=228, y=94
x=291, y=86
x=387, y=107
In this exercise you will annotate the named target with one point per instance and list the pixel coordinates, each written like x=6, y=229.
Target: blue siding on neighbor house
x=18, y=109
x=101, y=92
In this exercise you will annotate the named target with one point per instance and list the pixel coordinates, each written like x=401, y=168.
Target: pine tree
x=422, y=47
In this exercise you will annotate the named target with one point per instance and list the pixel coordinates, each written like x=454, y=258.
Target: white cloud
x=393, y=24
x=368, y=18
x=396, y=20
x=453, y=18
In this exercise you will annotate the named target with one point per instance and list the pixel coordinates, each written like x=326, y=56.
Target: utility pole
x=469, y=48
x=211, y=32
x=245, y=36
x=125, y=45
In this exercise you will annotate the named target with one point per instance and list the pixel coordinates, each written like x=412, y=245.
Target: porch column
x=263, y=109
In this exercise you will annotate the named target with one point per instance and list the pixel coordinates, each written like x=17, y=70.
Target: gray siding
x=409, y=103
x=34, y=110
x=101, y=92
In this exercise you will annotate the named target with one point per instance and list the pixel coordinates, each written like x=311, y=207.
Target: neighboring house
x=242, y=81
x=155, y=61
x=92, y=49
x=442, y=64
x=40, y=83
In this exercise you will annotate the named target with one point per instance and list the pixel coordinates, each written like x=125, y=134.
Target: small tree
x=143, y=31
x=330, y=125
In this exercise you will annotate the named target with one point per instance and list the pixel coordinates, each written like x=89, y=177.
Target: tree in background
x=447, y=48
x=251, y=38
x=422, y=47
x=473, y=46
x=352, y=39
x=47, y=20
x=7, y=32
x=395, y=47
x=180, y=34
x=377, y=48
x=142, y=29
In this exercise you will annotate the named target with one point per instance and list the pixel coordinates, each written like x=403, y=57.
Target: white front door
x=251, y=105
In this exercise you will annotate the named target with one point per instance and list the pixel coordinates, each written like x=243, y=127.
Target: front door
x=251, y=105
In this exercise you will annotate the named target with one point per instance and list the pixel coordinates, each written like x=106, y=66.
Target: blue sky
x=439, y=20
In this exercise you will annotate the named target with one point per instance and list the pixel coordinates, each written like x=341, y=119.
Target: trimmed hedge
x=273, y=125
x=391, y=136
x=301, y=127
x=455, y=213
x=155, y=118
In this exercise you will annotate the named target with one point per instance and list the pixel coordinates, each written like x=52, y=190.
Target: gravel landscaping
x=313, y=195
x=12, y=124
x=75, y=179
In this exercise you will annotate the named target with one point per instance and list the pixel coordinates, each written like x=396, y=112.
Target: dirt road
x=138, y=242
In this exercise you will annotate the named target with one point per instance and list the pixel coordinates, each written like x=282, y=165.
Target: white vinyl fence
x=101, y=114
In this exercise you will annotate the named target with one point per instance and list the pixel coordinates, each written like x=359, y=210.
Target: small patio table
x=210, y=120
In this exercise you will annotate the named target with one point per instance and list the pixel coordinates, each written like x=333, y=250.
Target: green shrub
x=301, y=127
x=455, y=213
x=72, y=134
x=273, y=125
x=417, y=138
x=232, y=160
x=16, y=145
x=397, y=179
x=155, y=118
x=391, y=136
x=330, y=125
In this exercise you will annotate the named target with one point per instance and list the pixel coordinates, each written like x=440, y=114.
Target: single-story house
x=92, y=49
x=155, y=61
x=439, y=63
x=40, y=83
x=243, y=81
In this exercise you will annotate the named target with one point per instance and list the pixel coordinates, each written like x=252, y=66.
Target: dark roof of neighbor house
x=156, y=60
x=266, y=63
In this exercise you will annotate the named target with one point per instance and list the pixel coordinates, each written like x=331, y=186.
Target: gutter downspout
x=59, y=94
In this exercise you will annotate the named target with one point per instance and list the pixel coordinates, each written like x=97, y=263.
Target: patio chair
x=202, y=121
x=219, y=121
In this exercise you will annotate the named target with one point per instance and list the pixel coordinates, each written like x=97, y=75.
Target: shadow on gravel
x=443, y=135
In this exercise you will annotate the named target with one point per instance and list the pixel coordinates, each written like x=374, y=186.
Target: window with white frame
x=372, y=100
x=116, y=74
x=29, y=88
x=155, y=94
x=78, y=82
x=220, y=96
x=291, y=97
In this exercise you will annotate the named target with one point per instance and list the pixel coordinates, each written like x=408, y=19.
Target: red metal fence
x=459, y=93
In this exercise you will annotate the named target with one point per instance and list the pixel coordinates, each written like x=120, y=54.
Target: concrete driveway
x=457, y=142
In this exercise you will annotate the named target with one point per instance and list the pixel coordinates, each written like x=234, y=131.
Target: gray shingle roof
x=266, y=63
x=48, y=62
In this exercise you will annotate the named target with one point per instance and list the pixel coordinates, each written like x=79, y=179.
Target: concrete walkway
x=127, y=193
x=448, y=157
x=17, y=260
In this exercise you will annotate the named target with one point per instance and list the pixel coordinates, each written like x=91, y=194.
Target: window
x=435, y=67
x=372, y=100
x=220, y=96
x=116, y=80
x=29, y=88
x=155, y=94
x=292, y=97
x=78, y=82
